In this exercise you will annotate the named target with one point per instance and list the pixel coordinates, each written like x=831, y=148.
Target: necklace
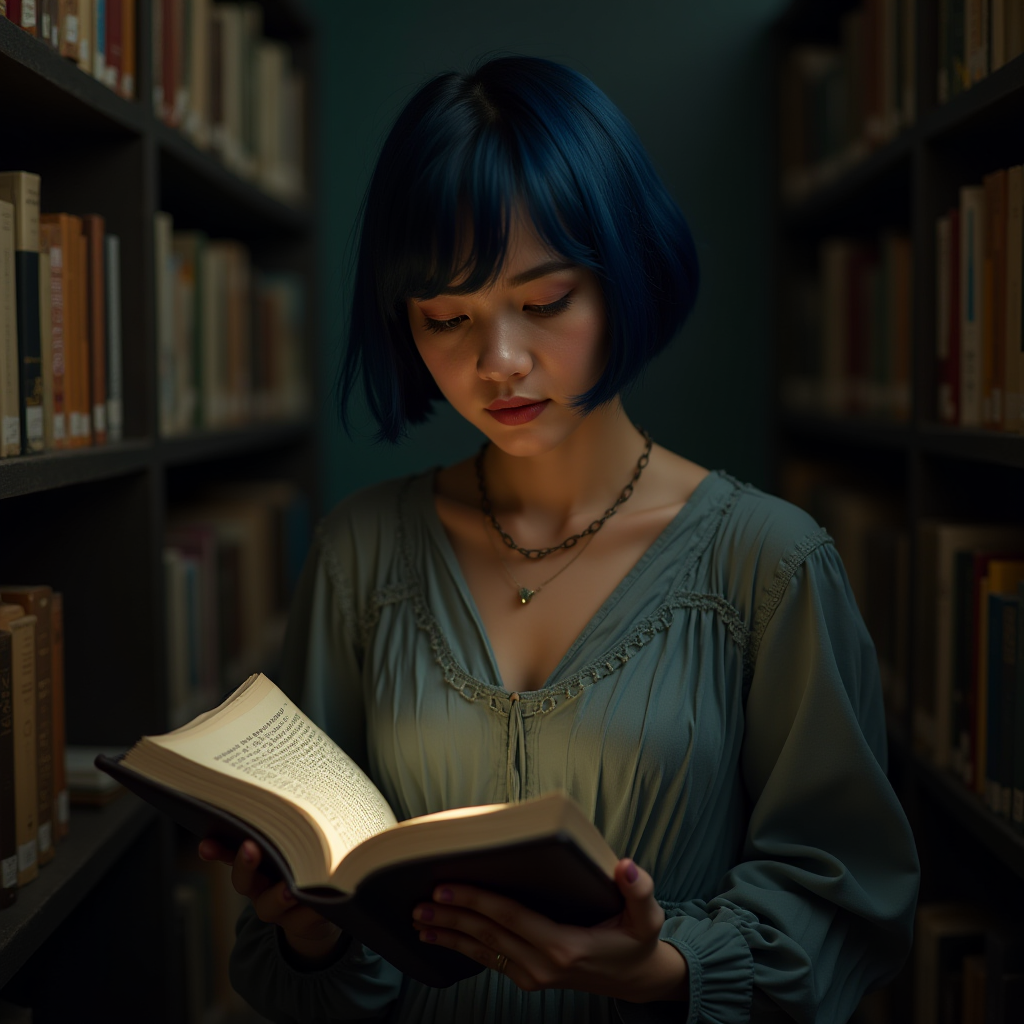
x=535, y=554
x=525, y=593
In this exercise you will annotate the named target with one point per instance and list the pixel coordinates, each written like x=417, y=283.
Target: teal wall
x=694, y=77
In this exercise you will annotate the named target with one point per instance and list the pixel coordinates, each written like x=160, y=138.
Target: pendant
x=525, y=593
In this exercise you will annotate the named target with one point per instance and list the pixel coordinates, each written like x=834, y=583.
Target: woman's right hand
x=308, y=933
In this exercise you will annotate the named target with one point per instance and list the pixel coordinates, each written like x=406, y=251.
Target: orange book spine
x=51, y=241
x=93, y=227
x=126, y=85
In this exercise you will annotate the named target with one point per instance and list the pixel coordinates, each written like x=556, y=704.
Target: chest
x=533, y=611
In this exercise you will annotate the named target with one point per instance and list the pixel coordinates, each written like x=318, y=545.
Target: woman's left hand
x=622, y=957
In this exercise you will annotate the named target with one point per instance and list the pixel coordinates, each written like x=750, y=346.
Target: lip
x=512, y=412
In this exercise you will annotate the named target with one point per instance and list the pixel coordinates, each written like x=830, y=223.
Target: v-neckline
x=440, y=537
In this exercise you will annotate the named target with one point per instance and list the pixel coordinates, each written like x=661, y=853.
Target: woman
x=577, y=608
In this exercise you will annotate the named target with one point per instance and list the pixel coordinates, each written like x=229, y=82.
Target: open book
x=256, y=767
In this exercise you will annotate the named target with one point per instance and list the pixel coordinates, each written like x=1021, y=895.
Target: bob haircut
x=469, y=150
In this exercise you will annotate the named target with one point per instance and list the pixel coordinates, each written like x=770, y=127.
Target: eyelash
x=549, y=309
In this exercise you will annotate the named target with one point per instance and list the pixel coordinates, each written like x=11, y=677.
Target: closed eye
x=551, y=308
x=440, y=326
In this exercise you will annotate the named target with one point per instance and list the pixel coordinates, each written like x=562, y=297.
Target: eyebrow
x=541, y=270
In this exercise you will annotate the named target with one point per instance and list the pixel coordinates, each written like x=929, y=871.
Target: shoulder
x=760, y=544
x=359, y=537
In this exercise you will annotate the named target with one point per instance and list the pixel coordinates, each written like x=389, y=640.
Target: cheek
x=582, y=348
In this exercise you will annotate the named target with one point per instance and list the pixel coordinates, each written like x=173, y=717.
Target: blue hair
x=464, y=154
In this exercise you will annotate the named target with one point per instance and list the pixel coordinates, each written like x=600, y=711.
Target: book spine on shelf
x=35, y=602
x=199, y=68
x=1017, y=802
x=1006, y=611
x=115, y=373
x=163, y=233
x=26, y=792
x=959, y=75
x=61, y=807
x=997, y=33
x=22, y=190
x=53, y=243
x=10, y=417
x=114, y=50
x=976, y=36
x=126, y=84
x=99, y=39
x=69, y=29
x=93, y=227
x=85, y=20
x=46, y=346
x=8, y=819
x=972, y=237
x=82, y=423
x=1014, y=358
x=995, y=298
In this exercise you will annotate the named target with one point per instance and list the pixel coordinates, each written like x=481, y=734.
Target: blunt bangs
x=468, y=152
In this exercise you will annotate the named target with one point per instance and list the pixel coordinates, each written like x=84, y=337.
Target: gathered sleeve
x=820, y=907
x=321, y=669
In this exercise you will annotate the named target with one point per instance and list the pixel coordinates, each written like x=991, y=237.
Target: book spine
x=83, y=371
x=115, y=377
x=26, y=793
x=959, y=79
x=57, y=284
x=69, y=29
x=943, y=396
x=93, y=226
x=1014, y=359
x=115, y=22
x=163, y=231
x=976, y=39
x=99, y=39
x=1017, y=803
x=85, y=20
x=993, y=753
x=962, y=659
x=61, y=803
x=8, y=839
x=10, y=418
x=997, y=33
x=1006, y=659
x=126, y=86
x=972, y=207
x=46, y=347
x=995, y=185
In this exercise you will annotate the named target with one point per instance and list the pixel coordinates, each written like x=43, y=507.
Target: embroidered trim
x=392, y=594
x=773, y=595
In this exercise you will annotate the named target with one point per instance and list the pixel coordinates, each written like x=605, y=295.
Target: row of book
x=849, y=347
x=976, y=37
x=840, y=102
x=231, y=90
x=968, y=966
x=230, y=339
x=34, y=805
x=231, y=562
x=60, y=325
x=980, y=305
x=969, y=706
x=98, y=35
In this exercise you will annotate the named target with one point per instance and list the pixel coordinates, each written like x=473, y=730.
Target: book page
x=269, y=742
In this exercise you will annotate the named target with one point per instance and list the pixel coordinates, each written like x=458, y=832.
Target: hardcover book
x=256, y=767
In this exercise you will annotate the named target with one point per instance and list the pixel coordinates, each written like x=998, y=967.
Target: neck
x=550, y=494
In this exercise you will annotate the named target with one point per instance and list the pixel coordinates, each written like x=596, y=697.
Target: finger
x=472, y=948
x=277, y=905
x=245, y=874
x=642, y=913
x=210, y=849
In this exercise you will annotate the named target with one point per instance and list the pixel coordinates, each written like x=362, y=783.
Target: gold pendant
x=525, y=593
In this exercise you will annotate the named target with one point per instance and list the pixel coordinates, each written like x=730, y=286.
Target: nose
x=503, y=353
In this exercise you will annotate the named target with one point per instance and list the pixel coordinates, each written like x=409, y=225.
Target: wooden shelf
x=96, y=839
x=29, y=474
x=848, y=430
x=966, y=808
x=974, y=445
x=208, y=447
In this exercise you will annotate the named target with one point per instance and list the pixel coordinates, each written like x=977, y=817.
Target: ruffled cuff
x=721, y=975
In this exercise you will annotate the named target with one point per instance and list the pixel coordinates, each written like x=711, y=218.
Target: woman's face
x=512, y=357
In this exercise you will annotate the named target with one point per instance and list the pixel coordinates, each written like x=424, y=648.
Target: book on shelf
x=21, y=189
x=944, y=935
x=21, y=628
x=61, y=816
x=256, y=767
x=10, y=390
x=8, y=813
x=975, y=38
x=93, y=233
x=1017, y=754
x=979, y=324
x=35, y=603
x=115, y=373
x=1003, y=615
x=941, y=633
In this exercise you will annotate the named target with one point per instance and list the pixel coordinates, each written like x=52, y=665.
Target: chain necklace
x=525, y=593
x=535, y=554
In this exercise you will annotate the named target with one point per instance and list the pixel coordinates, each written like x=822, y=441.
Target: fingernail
x=444, y=895
x=428, y=936
x=425, y=913
x=631, y=872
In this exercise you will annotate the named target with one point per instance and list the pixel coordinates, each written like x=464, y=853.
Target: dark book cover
x=30, y=360
x=1017, y=800
x=1003, y=616
x=8, y=839
x=552, y=876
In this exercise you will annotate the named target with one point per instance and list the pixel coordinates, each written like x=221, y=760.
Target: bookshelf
x=91, y=521
x=932, y=469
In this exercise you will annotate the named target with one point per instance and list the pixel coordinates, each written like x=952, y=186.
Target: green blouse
x=720, y=720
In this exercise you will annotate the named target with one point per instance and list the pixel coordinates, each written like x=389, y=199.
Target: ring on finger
x=501, y=963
